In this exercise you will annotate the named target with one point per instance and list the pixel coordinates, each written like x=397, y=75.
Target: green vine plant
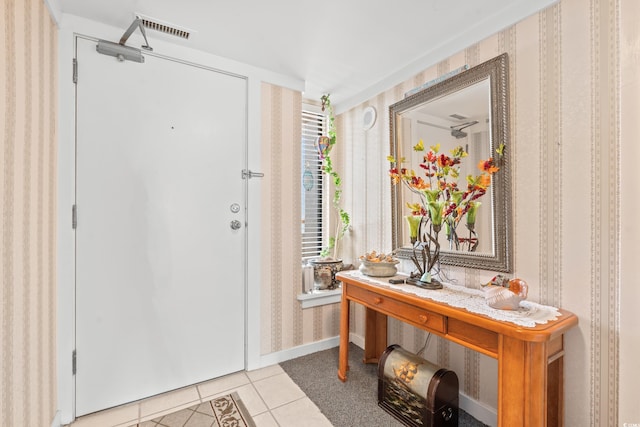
x=344, y=219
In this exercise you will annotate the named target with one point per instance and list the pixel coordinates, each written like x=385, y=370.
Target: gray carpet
x=350, y=404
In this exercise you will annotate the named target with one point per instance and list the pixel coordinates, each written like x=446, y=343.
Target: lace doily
x=529, y=314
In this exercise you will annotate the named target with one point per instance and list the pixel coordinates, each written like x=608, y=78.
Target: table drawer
x=474, y=336
x=398, y=309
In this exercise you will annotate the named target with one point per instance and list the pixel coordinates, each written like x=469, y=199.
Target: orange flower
x=488, y=166
x=484, y=181
x=419, y=184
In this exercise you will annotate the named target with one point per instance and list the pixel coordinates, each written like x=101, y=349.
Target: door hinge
x=73, y=362
x=247, y=174
x=75, y=70
x=74, y=217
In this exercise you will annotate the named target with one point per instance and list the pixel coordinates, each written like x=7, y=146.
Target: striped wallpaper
x=28, y=115
x=565, y=146
x=284, y=324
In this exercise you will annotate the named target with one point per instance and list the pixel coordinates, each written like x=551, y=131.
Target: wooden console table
x=530, y=359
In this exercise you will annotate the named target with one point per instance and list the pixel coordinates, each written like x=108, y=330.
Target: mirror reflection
x=469, y=111
x=461, y=119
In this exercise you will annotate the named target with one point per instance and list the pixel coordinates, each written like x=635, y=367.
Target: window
x=313, y=125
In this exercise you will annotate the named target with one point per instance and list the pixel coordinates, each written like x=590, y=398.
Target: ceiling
x=352, y=49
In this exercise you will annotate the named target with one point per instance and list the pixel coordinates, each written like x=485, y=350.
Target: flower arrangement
x=441, y=203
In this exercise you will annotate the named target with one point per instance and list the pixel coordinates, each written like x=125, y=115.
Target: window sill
x=317, y=298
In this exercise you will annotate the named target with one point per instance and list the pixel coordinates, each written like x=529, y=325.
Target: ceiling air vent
x=164, y=27
x=458, y=116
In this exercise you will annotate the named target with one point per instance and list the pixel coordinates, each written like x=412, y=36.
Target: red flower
x=450, y=209
x=444, y=160
x=479, y=194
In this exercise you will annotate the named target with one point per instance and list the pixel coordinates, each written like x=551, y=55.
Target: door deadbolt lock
x=235, y=224
x=235, y=208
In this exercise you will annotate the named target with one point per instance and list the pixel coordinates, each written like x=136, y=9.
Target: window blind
x=313, y=125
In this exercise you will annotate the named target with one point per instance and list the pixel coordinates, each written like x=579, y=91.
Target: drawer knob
x=423, y=318
x=377, y=300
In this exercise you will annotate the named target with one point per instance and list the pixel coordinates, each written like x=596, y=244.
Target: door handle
x=247, y=174
x=235, y=224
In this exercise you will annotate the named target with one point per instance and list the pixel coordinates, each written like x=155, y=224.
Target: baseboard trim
x=57, y=422
x=303, y=350
x=356, y=339
x=479, y=410
x=292, y=353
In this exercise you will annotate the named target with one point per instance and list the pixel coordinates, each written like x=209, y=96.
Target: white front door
x=160, y=273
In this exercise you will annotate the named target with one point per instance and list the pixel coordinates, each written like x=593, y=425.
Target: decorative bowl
x=506, y=296
x=379, y=269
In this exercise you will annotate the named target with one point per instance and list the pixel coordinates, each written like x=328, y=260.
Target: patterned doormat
x=225, y=411
x=230, y=411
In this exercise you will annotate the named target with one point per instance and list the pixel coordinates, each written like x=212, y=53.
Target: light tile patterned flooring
x=270, y=396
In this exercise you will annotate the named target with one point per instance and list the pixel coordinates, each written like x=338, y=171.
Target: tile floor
x=270, y=396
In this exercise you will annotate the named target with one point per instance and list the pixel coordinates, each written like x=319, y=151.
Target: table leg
x=555, y=382
x=343, y=361
x=375, y=335
x=522, y=383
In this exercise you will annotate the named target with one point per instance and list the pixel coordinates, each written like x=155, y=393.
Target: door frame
x=74, y=27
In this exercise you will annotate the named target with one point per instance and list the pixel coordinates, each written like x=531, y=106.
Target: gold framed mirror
x=470, y=109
